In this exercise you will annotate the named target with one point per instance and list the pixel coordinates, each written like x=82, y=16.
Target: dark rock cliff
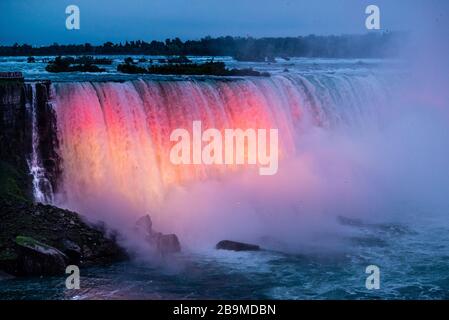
x=18, y=101
x=15, y=132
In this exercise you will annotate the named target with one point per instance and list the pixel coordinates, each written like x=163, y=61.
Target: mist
x=392, y=173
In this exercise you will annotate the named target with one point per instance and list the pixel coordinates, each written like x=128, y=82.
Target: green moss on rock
x=10, y=183
x=30, y=242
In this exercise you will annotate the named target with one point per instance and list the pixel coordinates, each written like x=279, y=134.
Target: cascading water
x=42, y=189
x=114, y=137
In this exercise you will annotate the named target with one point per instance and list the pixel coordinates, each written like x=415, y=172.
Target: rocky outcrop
x=236, y=246
x=161, y=243
x=37, y=239
x=168, y=243
x=36, y=258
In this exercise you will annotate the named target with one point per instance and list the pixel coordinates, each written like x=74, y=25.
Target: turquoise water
x=413, y=262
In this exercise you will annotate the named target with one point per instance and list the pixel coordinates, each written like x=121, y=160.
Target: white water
x=42, y=189
x=114, y=145
x=116, y=135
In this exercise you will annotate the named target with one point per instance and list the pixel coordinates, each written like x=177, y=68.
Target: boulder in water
x=162, y=243
x=36, y=258
x=168, y=243
x=236, y=246
x=145, y=225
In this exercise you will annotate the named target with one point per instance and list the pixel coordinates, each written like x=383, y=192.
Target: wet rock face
x=16, y=113
x=236, y=246
x=38, y=239
x=161, y=243
x=15, y=133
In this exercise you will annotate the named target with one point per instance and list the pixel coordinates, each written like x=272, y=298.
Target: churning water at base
x=413, y=265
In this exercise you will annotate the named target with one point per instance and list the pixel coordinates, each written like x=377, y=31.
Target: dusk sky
x=42, y=22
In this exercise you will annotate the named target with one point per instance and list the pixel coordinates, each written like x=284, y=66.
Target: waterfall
x=114, y=137
x=42, y=189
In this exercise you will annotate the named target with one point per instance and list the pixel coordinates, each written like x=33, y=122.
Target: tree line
x=370, y=45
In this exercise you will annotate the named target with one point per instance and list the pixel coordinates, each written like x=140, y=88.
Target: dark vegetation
x=69, y=64
x=207, y=68
x=247, y=49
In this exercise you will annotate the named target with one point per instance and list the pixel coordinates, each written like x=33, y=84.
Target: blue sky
x=43, y=21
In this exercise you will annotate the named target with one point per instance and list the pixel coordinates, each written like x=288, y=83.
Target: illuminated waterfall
x=114, y=137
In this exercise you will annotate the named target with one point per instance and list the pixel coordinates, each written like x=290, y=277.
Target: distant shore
x=370, y=45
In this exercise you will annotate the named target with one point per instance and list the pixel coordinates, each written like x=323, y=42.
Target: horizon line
x=376, y=32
